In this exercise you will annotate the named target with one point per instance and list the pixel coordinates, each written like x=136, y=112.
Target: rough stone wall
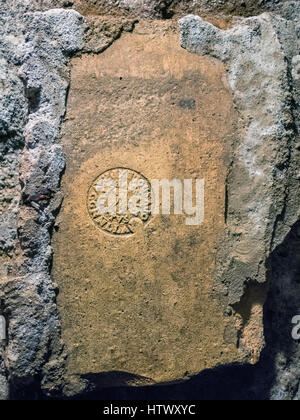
x=262, y=239
x=34, y=84
x=259, y=75
x=262, y=76
x=166, y=9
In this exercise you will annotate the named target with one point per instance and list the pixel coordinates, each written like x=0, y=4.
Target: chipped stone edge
x=262, y=199
x=35, y=349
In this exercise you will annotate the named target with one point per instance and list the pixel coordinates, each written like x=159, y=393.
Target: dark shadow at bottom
x=240, y=381
x=263, y=381
x=226, y=382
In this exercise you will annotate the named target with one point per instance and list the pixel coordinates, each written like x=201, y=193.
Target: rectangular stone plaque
x=139, y=297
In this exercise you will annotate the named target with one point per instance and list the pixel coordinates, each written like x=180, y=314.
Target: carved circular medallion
x=118, y=199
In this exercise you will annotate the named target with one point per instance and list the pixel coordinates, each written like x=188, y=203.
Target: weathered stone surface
x=101, y=33
x=35, y=88
x=264, y=172
x=147, y=105
x=166, y=9
x=261, y=173
x=34, y=49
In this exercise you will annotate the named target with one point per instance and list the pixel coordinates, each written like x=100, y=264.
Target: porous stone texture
x=34, y=82
x=263, y=185
x=167, y=9
x=101, y=33
x=148, y=105
x=260, y=245
x=259, y=76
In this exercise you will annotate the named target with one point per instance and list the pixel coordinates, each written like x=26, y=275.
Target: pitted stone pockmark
x=120, y=222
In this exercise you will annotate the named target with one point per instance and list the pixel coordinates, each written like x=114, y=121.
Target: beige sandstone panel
x=144, y=303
